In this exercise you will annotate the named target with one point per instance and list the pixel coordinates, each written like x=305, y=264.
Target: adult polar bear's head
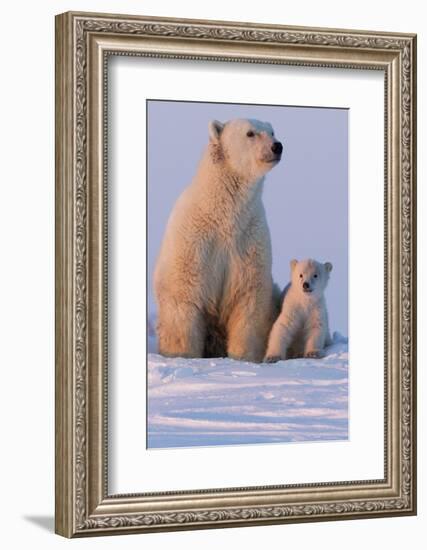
x=247, y=146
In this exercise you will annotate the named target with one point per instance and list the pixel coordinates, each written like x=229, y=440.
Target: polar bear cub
x=302, y=328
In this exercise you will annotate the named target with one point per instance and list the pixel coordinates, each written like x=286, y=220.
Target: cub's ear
x=293, y=263
x=215, y=129
x=328, y=267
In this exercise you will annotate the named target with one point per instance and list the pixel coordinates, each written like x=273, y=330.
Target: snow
x=202, y=402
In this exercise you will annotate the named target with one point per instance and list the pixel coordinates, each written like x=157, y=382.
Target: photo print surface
x=247, y=270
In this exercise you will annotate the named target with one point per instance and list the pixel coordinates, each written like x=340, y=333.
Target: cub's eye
x=315, y=275
x=250, y=133
x=300, y=276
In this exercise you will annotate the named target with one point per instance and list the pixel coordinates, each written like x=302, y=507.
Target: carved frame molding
x=83, y=43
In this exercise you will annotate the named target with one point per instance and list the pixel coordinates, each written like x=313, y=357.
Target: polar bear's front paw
x=272, y=358
x=314, y=354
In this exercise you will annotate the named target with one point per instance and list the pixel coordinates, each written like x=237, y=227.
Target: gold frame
x=83, y=43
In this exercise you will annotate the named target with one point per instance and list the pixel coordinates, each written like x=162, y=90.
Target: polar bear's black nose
x=277, y=148
x=305, y=286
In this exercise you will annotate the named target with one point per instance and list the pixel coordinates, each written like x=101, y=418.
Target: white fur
x=302, y=328
x=213, y=280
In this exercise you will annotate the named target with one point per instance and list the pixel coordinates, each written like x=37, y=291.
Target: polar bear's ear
x=215, y=129
x=328, y=267
x=293, y=263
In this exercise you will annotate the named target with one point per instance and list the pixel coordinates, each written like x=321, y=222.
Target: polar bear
x=212, y=279
x=302, y=328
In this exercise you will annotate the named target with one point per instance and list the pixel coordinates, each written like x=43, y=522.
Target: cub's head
x=248, y=146
x=310, y=277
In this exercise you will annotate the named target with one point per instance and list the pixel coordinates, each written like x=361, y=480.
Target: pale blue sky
x=305, y=195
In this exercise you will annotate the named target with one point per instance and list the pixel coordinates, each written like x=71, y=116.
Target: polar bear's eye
x=250, y=133
x=300, y=275
x=315, y=275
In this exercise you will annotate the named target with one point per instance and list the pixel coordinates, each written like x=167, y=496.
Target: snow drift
x=200, y=402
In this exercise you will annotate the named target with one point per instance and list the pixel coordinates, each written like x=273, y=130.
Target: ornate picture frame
x=84, y=42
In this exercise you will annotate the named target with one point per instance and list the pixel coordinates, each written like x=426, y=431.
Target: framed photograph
x=235, y=274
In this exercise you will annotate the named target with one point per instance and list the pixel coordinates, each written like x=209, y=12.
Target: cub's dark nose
x=277, y=148
x=305, y=286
